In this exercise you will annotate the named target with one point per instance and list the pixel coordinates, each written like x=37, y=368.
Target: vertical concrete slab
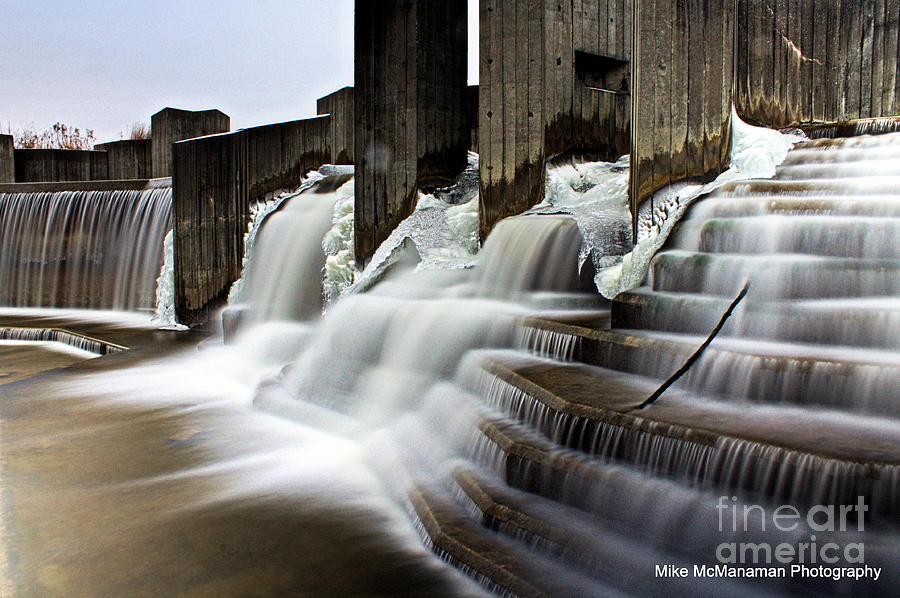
x=681, y=100
x=128, y=158
x=170, y=125
x=53, y=165
x=411, y=108
x=817, y=61
x=340, y=105
x=7, y=160
x=554, y=81
x=214, y=180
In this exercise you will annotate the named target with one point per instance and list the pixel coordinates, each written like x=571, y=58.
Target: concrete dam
x=622, y=320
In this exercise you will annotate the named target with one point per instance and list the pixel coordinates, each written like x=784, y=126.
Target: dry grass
x=59, y=136
x=139, y=130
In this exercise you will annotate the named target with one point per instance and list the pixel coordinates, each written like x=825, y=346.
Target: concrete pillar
x=128, y=158
x=339, y=105
x=412, y=125
x=681, y=99
x=7, y=163
x=553, y=81
x=171, y=124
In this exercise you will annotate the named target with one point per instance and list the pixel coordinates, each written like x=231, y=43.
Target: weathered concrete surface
x=7, y=160
x=822, y=61
x=49, y=165
x=411, y=111
x=20, y=360
x=554, y=81
x=128, y=158
x=171, y=124
x=682, y=78
x=105, y=495
x=340, y=105
x=214, y=181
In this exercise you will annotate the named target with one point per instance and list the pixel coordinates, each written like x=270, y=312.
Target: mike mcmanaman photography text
x=735, y=517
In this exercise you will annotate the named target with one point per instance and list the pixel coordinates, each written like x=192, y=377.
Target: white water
x=276, y=286
x=82, y=249
x=387, y=392
x=821, y=323
x=596, y=195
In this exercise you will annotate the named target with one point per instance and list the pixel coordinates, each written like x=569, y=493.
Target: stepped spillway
x=794, y=403
x=498, y=406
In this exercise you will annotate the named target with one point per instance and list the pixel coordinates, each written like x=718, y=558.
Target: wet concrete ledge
x=589, y=392
x=123, y=185
x=61, y=335
x=495, y=561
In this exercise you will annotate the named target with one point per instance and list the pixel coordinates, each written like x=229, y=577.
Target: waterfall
x=85, y=249
x=496, y=404
x=287, y=257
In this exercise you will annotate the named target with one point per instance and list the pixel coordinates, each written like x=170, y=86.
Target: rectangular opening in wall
x=601, y=73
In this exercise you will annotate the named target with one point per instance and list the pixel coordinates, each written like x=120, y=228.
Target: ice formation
x=338, y=244
x=258, y=214
x=443, y=228
x=595, y=194
x=164, y=316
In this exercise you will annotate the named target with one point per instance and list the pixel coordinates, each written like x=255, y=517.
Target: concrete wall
x=40, y=165
x=128, y=158
x=554, y=80
x=214, y=180
x=682, y=80
x=817, y=60
x=411, y=112
x=340, y=105
x=171, y=124
x=7, y=159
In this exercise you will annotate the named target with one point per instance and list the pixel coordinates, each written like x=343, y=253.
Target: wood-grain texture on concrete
x=7, y=160
x=128, y=158
x=553, y=82
x=340, y=106
x=817, y=60
x=412, y=124
x=214, y=181
x=682, y=80
x=170, y=125
x=53, y=165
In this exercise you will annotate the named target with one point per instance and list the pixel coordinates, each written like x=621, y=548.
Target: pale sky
x=105, y=64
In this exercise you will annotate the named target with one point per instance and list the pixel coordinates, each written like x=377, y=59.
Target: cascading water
x=277, y=285
x=821, y=323
x=483, y=426
x=86, y=249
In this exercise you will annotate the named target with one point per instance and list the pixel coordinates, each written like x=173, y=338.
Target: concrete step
x=739, y=369
x=606, y=548
x=870, y=322
x=856, y=142
x=778, y=276
x=820, y=204
x=813, y=169
x=499, y=563
x=771, y=452
x=836, y=155
x=869, y=186
x=869, y=237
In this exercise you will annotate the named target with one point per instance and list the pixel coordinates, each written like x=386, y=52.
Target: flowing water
x=82, y=249
x=403, y=405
